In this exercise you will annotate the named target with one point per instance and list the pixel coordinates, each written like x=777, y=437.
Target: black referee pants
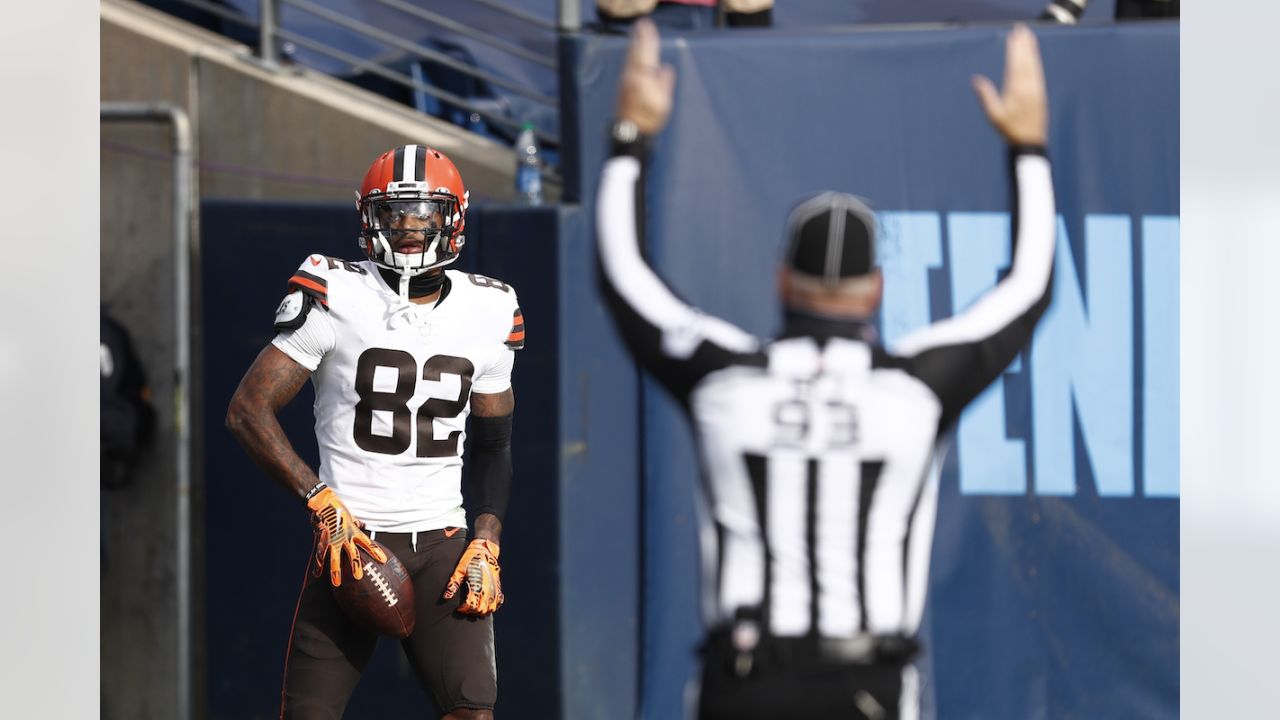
x=783, y=679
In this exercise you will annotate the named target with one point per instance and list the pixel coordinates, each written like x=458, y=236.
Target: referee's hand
x=646, y=86
x=1021, y=113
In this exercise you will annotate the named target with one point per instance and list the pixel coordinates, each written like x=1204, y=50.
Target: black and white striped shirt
x=818, y=451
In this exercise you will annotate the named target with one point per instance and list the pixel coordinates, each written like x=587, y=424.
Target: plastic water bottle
x=528, y=167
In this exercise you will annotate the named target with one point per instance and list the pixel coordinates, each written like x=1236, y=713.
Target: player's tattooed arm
x=271, y=382
x=491, y=460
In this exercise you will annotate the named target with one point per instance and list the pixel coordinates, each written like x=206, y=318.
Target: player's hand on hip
x=1020, y=113
x=646, y=86
x=479, y=568
x=338, y=532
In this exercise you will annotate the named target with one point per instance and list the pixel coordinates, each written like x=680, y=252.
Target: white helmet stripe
x=410, y=164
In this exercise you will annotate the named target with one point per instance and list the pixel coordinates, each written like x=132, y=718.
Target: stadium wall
x=138, y=601
x=1055, y=577
x=291, y=134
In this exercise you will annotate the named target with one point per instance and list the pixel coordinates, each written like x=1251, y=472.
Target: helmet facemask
x=411, y=232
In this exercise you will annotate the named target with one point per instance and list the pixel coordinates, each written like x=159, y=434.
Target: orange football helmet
x=417, y=181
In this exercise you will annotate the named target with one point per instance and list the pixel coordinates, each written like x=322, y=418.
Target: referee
x=819, y=448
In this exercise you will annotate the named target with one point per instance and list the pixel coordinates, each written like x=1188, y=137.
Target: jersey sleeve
x=960, y=356
x=311, y=278
x=674, y=341
x=496, y=377
x=310, y=342
x=515, y=336
x=306, y=336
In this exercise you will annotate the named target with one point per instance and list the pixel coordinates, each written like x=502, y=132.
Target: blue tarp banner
x=1055, y=578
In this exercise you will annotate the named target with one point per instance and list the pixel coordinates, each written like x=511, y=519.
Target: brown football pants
x=452, y=654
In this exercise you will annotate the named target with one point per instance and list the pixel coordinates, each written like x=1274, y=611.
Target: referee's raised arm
x=960, y=356
x=675, y=342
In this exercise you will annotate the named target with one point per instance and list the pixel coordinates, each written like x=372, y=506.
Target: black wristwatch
x=627, y=139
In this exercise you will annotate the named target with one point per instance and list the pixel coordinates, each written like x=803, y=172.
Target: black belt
x=410, y=533
x=746, y=648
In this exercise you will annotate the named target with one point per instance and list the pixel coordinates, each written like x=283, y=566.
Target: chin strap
x=419, y=285
x=404, y=288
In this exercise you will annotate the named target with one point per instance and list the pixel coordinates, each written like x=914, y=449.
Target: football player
x=401, y=352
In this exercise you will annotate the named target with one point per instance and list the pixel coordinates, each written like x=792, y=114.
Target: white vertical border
x=1230, y=387
x=49, y=660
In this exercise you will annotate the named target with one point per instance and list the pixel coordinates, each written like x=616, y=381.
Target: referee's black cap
x=831, y=237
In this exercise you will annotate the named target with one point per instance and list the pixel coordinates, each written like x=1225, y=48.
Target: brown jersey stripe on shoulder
x=316, y=287
x=316, y=279
x=517, y=328
x=515, y=338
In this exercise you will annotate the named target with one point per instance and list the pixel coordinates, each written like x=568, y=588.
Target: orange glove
x=479, y=565
x=337, y=531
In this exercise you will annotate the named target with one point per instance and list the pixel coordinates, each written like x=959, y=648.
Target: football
x=381, y=600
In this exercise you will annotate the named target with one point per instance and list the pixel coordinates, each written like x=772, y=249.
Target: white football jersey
x=393, y=385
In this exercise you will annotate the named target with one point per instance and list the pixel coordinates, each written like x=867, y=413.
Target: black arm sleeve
x=675, y=342
x=959, y=357
x=490, y=482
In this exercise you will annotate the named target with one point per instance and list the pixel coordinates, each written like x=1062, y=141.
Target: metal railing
x=273, y=38
x=270, y=31
x=457, y=27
